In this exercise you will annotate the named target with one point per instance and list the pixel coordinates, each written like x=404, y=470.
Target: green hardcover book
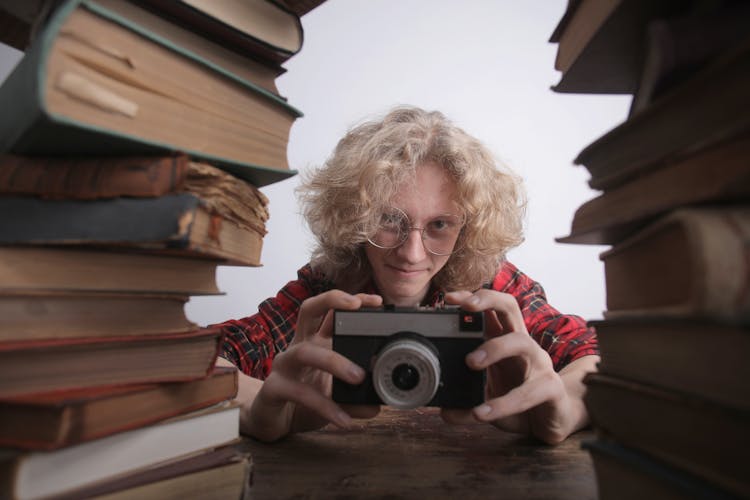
x=97, y=83
x=179, y=224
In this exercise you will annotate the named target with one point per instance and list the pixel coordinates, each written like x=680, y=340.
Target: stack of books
x=134, y=138
x=671, y=401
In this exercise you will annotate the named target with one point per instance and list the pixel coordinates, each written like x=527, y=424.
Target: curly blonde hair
x=343, y=199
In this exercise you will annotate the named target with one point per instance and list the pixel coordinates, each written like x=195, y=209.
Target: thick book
x=55, y=420
x=74, y=269
x=222, y=473
x=719, y=174
x=41, y=474
x=667, y=351
x=301, y=7
x=45, y=314
x=707, y=440
x=691, y=263
x=92, y=177
x=179, y=224
x=706, y=109
x=265, y=28
x=212, y=49
x=36, y=366
x=600, y=43
x=676, y=48
x=121, y=89
x=623, y=474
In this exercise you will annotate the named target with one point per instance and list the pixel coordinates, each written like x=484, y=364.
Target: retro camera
x=412, y=356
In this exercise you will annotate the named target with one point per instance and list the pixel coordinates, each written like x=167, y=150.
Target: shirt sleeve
x=565, y=337
x=252, y=342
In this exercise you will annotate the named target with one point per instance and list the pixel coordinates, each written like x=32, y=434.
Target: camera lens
x=405, y=377
x=406, y=372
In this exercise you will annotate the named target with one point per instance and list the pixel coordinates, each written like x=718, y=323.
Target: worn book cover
x=706, y=109
x=665, y=351
x=623, y=474
x=221, y=473
x=80, y=269
x=706, y=439
x=212, y=49
x=44, y=365
x=181, y=224
x=95, y=83
x=719, y=174
x=42, y=474
x=601, y=43
x=63, y=418
x=63, y=314
x=267, y=29
x=691, y=263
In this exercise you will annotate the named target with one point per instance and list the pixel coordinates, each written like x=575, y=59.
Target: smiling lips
x=406, y=272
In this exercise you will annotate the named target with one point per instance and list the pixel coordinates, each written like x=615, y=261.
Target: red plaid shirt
x=251, y=343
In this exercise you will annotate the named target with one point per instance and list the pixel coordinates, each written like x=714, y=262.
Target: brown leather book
x=91, y=178
x=65, y=418
x=720, y=174
x=39, y=366
x=687, y=434
x=691, y=263
x=101, y=177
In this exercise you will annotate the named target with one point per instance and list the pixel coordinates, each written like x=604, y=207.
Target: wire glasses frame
x=439, y=235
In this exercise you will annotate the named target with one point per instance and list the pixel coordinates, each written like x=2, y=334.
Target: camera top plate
x=446, y=322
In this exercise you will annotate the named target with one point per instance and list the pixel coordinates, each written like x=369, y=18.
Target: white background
x=487, y=64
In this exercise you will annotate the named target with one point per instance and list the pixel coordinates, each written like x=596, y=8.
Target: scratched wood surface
x=414, y=454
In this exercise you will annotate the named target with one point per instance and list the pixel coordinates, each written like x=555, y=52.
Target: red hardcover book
x=37, y=366
x=58, y=419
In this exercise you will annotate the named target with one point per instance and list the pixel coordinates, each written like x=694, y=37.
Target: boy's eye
x=443, y=224
x=438, y=224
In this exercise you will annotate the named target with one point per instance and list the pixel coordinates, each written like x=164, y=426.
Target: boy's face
x=403, y=274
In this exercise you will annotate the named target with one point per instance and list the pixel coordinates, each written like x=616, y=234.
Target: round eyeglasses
x=439, y=235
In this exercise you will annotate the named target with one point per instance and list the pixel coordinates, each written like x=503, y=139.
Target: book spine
x=711, y=281
x=613, y=158
x=166, y=220
x=92, y=178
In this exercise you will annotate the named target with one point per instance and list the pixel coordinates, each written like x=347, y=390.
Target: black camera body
x=412, y=356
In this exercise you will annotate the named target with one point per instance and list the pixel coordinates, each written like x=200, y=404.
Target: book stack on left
x=135, y=136
x=671, y=400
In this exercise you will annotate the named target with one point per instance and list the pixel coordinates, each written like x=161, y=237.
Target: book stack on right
x=134, y=138
x=671, y=400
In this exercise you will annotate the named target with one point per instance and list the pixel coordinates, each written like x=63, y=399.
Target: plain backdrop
x=488, y=65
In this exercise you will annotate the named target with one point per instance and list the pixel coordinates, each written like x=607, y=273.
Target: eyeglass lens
x=438, y=234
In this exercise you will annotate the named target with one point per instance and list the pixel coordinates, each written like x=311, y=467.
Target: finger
x=325, y=331
x=504, y=347
x=308, y=355
x=456, y=298
x=530, y=394
x=505, y=306
x=312, y=311
x=458, y=416
x=369, y=300
x=365, y=300
x=277, y=389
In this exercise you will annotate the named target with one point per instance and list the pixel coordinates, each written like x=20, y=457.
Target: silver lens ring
x=420, y=360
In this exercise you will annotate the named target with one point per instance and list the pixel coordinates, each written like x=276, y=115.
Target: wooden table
x=414, y=454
